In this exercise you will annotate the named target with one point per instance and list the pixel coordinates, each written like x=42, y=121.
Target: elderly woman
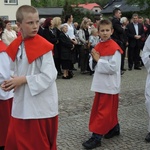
x=124, y=21
x=9, y=34
x=66, y=46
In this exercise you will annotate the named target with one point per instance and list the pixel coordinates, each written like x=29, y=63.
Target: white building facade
x=8, y=8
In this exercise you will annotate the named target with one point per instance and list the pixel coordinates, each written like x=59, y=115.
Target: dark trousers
x=84, y=53
x=133, y=56
x=57, y=62
x=123, y=47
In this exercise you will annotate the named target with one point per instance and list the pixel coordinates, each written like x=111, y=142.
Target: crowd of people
x=130, y=35
x=41, y=50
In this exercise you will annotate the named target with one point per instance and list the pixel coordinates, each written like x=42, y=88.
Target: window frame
x=9, y=3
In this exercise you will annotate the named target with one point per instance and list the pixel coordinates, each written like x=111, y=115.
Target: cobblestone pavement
x=75, y=101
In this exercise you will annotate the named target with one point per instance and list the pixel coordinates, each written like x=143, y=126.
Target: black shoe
x=137, y=68
x=130, y=69
x=74, y=69
x=113, y=132
x=67, y=77
x=83, y=72
x=147, y=138
x=123, y=69
x=1, y=147
x=92, y=143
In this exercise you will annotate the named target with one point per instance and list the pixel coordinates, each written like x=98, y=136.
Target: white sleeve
x=47, y=76
x=91, y=63
x=109, y=64
x=146, y=54
x=4, y=67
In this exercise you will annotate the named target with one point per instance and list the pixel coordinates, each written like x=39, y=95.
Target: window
x=11, y=2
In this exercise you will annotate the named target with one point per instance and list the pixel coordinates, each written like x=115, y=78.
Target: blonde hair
x=24, y=9
x=94, y=30
x=84, y=23
x=105, y=22
x=56, y=21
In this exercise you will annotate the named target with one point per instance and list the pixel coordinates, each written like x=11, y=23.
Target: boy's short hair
x=94, y=30
x=24, y=9
x=104, y=22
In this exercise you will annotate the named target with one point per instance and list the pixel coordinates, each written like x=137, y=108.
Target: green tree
x=58, y=3
x=141, y=4
x=67, y=9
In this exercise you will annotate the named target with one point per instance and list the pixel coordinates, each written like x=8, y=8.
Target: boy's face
x=29, y=25
x=105, y=32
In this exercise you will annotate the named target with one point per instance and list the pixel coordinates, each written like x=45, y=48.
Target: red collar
x=34, y=47
x=108, y=48
x=2, y=46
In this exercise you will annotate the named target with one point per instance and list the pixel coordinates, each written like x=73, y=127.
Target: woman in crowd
x=9, y=34
x=56, y=22
x=71, y=34
x=49, y=35
x=66, y=48
x=84, y=52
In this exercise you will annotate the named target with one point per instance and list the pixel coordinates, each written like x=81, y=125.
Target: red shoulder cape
x=34, y=47
x=2, y=46
x=107, y=48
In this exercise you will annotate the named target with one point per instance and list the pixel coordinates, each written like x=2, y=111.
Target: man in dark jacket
x=118, y=34
x=135, y=33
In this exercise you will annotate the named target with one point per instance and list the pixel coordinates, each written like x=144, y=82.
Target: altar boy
x=34, y=121
x=106, y=61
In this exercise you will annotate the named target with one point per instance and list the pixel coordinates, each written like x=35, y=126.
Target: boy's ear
x=112, y=31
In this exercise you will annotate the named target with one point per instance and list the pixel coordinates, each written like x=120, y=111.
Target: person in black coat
x=135, y=32
x=41, y=29
x=66, y=46
x=119, y=34
x=50, y=35
x=56, y=23
x=48, y=32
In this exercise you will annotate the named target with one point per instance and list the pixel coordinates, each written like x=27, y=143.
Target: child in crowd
x=34, y=121
x=106, y=85
x=94, y=38
x=93, y=41
x=146, y=61
x=5, y=97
